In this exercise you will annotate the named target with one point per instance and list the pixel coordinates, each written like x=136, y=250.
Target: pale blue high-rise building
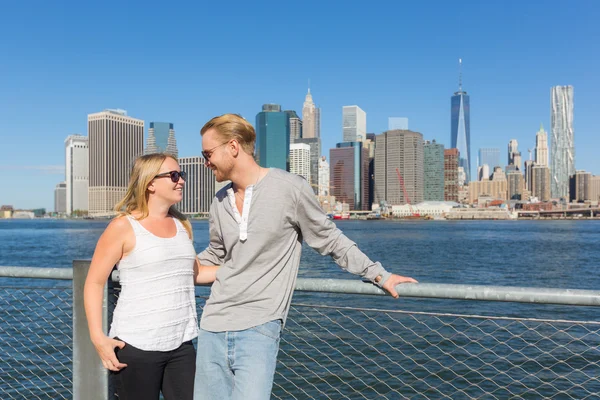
x=161, y=139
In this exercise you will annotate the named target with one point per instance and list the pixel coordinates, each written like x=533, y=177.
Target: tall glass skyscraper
x=161, y=139
x=489, y=156
x=433, y=171
x=354, y=124
x=563, y=145
x=349, y=174
x=273, y=137
x=460, y=128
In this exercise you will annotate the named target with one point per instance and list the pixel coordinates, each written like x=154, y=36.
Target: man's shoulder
x=286, y=179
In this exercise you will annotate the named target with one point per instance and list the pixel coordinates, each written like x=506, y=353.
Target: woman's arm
x=109, y=250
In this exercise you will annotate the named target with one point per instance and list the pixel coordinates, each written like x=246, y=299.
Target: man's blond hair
x=233, y=126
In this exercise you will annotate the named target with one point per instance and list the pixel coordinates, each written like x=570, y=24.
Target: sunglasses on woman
x=174, y=175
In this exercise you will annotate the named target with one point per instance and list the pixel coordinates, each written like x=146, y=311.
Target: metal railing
x=328, y=351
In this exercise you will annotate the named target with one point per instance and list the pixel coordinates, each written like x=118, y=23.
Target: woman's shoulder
x=120, y=224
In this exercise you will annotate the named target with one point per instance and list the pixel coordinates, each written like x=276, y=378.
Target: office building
x=563, y=142
x=433, y=171
x=273, y=137
x=399, y=151
x=161, y=139
x=489, y=156
x=348, y=174
x=354, y=124
x=541, y=147
x=397, y=123
x=199, y=189
x=295, y=126
x=460, y=127
x=540, y=182
x=324, y=189
x=76, y=173
x=451, y=175
x=300, y=161
x=60, y=198
x=115, y=141
x=580, y=185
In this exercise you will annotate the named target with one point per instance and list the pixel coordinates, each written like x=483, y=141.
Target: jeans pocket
x=271, y=329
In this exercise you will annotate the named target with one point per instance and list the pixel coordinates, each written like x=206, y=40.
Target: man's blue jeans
x=237, y=365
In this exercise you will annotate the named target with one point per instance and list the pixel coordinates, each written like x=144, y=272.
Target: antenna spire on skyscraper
x=308, y=85
x=460, y=74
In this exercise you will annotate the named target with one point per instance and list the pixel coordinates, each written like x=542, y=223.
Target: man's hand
x=390, y=285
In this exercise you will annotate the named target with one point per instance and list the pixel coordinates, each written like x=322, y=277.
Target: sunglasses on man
x=174, y=175
x=208, y=153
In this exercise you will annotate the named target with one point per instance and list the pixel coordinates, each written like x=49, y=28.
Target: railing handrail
x=36, y=272
x=515, y=294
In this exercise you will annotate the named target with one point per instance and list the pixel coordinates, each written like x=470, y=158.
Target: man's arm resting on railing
x=323, y=235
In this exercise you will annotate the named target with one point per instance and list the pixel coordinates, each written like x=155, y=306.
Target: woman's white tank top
x=156, y=309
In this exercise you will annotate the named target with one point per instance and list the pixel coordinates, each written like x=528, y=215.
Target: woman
x=149, y=346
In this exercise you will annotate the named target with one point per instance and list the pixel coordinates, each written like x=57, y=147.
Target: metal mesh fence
x=330, y=352
x=36, y=343
x=350, y=353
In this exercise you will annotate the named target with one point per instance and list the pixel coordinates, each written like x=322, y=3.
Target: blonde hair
x=233, y=126
x=145, y=169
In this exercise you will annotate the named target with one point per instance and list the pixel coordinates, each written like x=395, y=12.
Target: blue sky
x=185, y=63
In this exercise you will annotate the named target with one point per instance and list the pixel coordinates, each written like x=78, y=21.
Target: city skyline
x=501, y=71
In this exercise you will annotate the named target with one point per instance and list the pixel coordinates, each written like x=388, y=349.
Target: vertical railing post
x=90, y=379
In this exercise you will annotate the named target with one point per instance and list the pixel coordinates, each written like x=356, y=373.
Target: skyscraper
x=540, y=182
x=323, y=177
x=295, y=126
x=433, y=171
x=315, y=154
x=354, y=124
x=563, y=145
x=528, y=170
x=115, y=141
x=311, y=118
x=76, y=173
x=349, y=174
x=402, y=150
x=489, y=156
x=273, y=137
x=460, y=127
x=318, y=123
x=397, y=123
x=580, y=185
x=541, y=147
x=199, y=188
x=514, y=155
x=300, y=160
x=483, y=172
x=516, y=185
x=451, y=175
x=161, y=139
x=595, y=188
x=60, y=197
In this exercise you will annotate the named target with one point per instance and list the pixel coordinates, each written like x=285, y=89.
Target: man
x=257, y=224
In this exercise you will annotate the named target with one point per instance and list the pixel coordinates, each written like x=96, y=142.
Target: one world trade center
x=460, y=127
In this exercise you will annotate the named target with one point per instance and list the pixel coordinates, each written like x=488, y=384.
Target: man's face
x=217, y=155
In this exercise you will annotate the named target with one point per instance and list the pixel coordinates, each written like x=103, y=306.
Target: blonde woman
x=149, y=346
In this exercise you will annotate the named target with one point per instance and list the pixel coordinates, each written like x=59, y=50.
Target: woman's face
x=168, y=183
